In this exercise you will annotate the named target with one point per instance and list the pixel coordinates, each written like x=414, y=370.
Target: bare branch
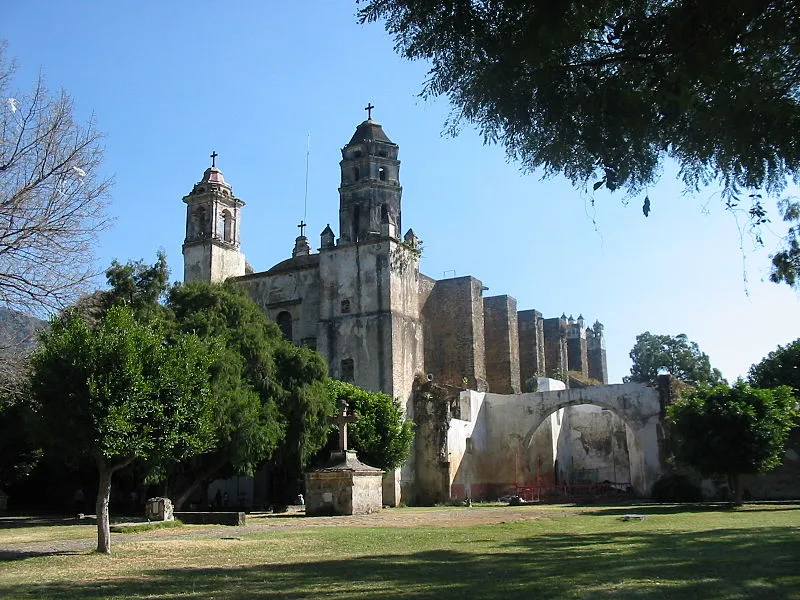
x=53, y=198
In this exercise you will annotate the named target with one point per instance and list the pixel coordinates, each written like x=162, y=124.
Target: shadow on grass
x=726, y=563
x=675, y=509
x=11, y=555
x=44, y=521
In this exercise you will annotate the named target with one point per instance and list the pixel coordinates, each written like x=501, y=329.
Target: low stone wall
x=212, y=518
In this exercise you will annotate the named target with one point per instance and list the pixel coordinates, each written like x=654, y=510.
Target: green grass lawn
x=564, y=552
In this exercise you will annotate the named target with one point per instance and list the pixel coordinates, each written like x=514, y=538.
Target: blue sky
x=168, y=82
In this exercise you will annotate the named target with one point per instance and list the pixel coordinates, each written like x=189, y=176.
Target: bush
x=676, y=488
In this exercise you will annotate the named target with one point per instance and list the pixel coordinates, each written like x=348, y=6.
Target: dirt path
x=262, y=522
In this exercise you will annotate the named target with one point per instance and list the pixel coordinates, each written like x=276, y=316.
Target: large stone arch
x=495, y=429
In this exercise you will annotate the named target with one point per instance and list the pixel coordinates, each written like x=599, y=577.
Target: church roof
x=302, y=261
x=368, y=131
x=213, y=175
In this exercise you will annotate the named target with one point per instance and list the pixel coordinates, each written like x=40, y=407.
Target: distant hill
x=18, y=330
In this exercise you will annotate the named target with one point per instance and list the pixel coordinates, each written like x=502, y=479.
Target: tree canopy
x=604, y=91
x=121, y=391
x=381, y=436
x=52, y=196
x=247, y=425
x=732, y=430
x=677, y=355
x=779, y=367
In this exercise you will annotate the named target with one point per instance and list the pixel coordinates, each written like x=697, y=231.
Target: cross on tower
x=369, y=108
x=341, y=420
x=214, y=156
x=302, y=227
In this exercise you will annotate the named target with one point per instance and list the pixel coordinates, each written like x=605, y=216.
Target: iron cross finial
x=214, y=156
x=302, y=227
x=369, y=108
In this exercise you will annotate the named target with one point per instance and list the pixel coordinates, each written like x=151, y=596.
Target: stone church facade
x=361, y=301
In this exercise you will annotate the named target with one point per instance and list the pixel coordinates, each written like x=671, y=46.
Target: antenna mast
x=305, y=197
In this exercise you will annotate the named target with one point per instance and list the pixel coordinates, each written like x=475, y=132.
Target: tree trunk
x=103, y=496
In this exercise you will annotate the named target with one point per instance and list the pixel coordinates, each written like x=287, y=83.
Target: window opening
x=284, y=321
x=348, y=370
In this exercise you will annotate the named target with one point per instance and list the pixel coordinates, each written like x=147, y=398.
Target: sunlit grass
x=548, y=552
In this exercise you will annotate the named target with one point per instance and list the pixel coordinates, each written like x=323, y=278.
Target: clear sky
x=170, y=81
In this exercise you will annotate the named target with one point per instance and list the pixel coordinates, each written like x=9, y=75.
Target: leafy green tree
x=305, y=407
x=248, y=426
x=19, y=452
x=779, y=367
x=654, y=354
x=604, y=92
x=732, y=430
x=381, y=436
x=120, y=392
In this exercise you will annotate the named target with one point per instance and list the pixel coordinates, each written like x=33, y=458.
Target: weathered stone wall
x=555, y=347
x=597, y=444
x=431, y=456
x=596, y=354
x=454, y=333
x=211, y=261
x=576, y=349
x=354, y=319
x=501, y=344
x=531, y=346
x=295, y=291
x=504, y=445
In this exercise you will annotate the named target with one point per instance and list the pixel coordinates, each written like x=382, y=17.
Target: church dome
x=369, y=131
x=213, y=175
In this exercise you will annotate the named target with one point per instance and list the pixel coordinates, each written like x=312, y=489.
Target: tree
x=676, y=355
x=120, y=392
x=381, y=436
x=779, y=367
x=52, y=196
x=730, y=431
x=247, y=425
x=305, y=408
x=604, y=92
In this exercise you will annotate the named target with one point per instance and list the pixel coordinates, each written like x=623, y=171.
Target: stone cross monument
x=341, y=420
x=345, y=485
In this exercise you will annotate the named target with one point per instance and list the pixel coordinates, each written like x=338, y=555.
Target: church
x=361, y=301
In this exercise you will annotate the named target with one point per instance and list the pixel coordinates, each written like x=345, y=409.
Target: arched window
x=284, y=321
x=382, y=173
x=384, y=214
x=356, y=219
x=226, y=226
x=347, y=371
x=356, y=174
x=197, y=225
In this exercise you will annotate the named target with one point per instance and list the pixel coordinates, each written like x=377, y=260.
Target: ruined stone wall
x=531, y=346
x=576, y=350
x=596, y=355
x=507, y=444
x=501, y=335
x=597, y=446
x=555, y=347
x=431, y=453
x=454, y=333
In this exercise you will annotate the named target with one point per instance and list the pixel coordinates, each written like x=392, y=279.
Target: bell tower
x=211, y=249
x=370, y=191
